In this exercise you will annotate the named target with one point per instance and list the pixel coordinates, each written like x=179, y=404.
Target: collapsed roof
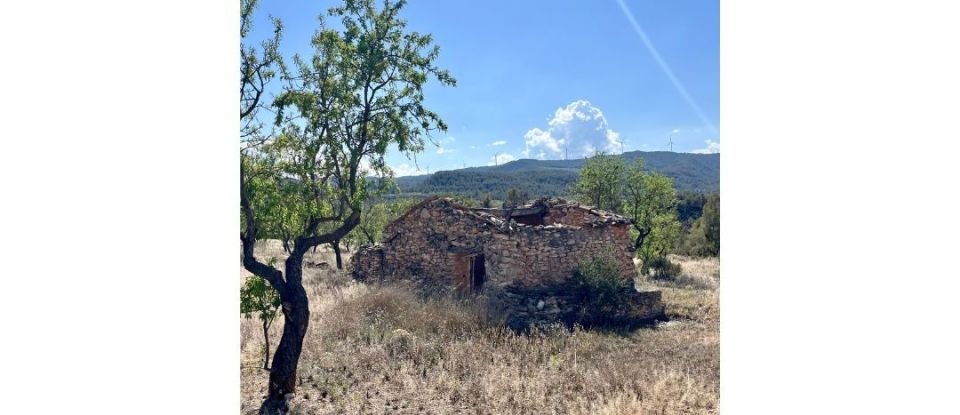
x=509, y=218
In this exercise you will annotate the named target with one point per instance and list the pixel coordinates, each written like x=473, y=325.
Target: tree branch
x=367, y=234
x=249, y=240
x=306, y=243
x=640, y=237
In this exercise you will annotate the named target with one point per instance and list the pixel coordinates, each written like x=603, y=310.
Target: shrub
x=258, y=298
x=662, y=268
x=602, y=285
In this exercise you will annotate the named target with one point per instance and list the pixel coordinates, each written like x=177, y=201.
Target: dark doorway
x=478, y=273
x=531, y=219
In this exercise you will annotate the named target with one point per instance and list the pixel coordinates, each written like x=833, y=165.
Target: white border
x=119, y=213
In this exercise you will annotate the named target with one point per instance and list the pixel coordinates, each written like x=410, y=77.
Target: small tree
x=361, y=93
x=601, y=182
x=651, y=202
x=662, y=238
x=258, y=298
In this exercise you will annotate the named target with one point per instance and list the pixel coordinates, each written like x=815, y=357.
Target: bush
x=258, y=298
x=662, y=268
x=602, y=285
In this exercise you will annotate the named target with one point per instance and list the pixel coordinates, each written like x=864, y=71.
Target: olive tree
x=339, y=111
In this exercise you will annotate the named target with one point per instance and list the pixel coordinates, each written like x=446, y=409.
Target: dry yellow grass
x=383, y=350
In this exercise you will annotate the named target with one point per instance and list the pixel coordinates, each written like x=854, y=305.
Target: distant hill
x=699, y=173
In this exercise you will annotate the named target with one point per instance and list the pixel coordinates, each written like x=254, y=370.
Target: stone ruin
x=520, y=260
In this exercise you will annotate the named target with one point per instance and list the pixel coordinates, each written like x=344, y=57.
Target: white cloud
x=501, y=159
x=498, y=143
x=712, y=147
x=406, y=170
x=443, y=145
x=539, y=138
x=578, y=129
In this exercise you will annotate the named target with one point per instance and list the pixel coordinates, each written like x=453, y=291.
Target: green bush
x=601, y=283
x=662, y=268
x=258, y=298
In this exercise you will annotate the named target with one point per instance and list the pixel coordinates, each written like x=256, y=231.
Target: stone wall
x=432, y=244
x=367, y=263
x=565, y=215
x=523, y=308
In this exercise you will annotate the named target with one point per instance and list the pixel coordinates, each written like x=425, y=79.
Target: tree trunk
x=641, y=235
x=336, y=250
x=296, y=316
x=266, y=345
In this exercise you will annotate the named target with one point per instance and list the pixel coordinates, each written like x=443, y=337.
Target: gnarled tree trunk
x=296, y=316
x=296, y=308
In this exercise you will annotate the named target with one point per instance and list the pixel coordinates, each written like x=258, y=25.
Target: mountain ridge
x=691, y=172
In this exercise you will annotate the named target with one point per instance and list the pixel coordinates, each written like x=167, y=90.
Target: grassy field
x=381, y=350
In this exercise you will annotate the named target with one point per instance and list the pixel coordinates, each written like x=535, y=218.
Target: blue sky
x=537, y=79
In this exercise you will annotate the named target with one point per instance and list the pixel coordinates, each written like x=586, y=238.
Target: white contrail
x=665, y=67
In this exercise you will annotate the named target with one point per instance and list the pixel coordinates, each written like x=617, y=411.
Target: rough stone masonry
x=521, y=260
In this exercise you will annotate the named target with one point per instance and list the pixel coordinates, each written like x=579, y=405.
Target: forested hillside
x=697, y=173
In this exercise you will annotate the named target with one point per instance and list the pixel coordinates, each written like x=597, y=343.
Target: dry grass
x=696, y=273
x=383, y=350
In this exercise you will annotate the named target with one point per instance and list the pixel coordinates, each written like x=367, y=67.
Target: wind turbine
x=671, y=142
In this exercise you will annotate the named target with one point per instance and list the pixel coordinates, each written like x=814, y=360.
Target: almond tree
x=360, y=92
x=651, y=202
x=257, y=68
x=601, y=181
